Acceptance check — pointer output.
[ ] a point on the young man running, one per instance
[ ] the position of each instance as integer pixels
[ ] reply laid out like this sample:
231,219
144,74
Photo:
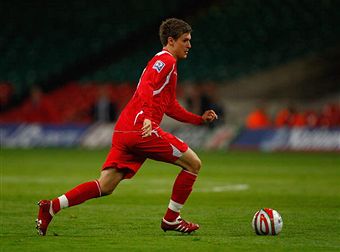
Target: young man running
138,136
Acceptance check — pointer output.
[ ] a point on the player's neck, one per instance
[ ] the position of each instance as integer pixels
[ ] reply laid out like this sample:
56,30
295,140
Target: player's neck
169,50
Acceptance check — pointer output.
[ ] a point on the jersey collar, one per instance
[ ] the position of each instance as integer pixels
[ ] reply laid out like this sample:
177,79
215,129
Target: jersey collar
166,51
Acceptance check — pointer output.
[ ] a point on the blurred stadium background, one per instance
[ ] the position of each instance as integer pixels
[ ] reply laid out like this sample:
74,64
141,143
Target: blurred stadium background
271,69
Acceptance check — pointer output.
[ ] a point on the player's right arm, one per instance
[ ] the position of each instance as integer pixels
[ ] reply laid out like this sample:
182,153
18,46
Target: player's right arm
147,128
151,82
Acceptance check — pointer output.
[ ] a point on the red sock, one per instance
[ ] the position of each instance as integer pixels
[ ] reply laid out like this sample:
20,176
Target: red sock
180,193
77,195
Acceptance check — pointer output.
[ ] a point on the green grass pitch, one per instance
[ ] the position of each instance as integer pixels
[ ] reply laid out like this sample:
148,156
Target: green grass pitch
232,186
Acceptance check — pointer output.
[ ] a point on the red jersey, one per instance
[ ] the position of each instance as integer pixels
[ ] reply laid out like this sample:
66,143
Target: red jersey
155,96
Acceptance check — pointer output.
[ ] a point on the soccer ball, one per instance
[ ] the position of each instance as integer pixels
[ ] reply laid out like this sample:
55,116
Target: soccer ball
267,221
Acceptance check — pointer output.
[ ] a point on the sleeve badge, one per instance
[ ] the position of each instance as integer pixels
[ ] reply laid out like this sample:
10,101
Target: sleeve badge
158,66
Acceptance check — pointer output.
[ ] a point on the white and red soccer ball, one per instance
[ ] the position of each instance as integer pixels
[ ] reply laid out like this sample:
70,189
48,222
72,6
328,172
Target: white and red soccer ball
267,221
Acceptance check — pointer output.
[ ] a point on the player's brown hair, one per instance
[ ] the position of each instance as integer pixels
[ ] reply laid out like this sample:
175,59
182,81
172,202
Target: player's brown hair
173,27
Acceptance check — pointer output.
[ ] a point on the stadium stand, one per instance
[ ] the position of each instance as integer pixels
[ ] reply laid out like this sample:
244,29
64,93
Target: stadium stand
53,38
241,37
51,44
71,103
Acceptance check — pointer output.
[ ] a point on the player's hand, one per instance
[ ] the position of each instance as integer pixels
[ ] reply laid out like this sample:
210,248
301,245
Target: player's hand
209,116
147,128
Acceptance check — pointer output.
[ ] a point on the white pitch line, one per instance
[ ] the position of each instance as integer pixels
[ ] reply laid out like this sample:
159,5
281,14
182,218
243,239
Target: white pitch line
157,182
225,188
34,180
214,189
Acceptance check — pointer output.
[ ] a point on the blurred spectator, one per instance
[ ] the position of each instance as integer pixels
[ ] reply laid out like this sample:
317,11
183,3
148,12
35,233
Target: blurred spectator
203,97
298,119
284,117
258,119
104,110
312,118
210,100
6,92
290,117
337,113
193,98
39,109
330,116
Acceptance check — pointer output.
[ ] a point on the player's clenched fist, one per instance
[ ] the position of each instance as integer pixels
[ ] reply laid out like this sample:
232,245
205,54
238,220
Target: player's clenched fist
209,116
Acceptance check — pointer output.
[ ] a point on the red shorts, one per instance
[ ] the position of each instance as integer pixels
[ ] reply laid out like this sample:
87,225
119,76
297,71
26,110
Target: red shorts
129,150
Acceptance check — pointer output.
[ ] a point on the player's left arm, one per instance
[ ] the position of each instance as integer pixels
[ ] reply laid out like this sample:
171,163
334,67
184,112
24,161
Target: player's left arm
177,112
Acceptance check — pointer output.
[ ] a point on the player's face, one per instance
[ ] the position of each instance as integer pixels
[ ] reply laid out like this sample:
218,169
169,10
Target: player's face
182,46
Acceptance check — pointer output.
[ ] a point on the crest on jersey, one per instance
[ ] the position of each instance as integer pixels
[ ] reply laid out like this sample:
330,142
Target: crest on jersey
158,65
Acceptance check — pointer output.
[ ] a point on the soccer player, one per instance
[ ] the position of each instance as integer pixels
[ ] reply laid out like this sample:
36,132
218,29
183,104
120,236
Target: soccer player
138,136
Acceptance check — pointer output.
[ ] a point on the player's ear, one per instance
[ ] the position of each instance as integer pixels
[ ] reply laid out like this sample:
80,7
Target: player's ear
171,41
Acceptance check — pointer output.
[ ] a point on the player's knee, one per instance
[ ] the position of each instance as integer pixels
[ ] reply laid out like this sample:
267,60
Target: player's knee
195,166
106,188
108,181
